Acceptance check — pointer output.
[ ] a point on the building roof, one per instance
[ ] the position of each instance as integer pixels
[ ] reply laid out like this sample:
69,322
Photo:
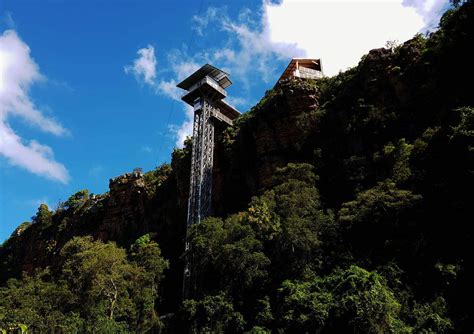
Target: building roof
218,75
314,64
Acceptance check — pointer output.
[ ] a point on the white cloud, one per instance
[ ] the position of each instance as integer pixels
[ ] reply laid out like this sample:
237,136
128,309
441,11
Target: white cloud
340,32
248,52
34,157
183,68
18,72
255,51
236,101
180,66
144,67
186,128
169,89
180,70
430,10
201,22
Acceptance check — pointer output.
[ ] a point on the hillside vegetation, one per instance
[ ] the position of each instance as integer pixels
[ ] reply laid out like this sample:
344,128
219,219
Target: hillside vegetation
342,205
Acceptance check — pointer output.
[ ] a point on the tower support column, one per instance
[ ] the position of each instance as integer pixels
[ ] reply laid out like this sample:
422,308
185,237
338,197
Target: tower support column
205,93
200,190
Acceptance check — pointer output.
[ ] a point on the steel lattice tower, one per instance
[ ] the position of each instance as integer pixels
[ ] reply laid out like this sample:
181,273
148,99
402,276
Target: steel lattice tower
205,93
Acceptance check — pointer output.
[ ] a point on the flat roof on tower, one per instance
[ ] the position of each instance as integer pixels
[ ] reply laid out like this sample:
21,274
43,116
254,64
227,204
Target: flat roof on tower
218,75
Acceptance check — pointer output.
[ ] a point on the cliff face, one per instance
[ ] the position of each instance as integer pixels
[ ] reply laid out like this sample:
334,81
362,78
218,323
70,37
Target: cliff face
270,135
125,214
135,205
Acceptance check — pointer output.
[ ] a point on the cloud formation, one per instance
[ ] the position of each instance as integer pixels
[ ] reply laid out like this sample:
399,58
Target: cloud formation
341,32
18,72
181,67
338,32
144,67
185,129
429,10
248,52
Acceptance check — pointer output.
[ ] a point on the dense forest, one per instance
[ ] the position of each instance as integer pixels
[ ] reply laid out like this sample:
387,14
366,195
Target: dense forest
342,205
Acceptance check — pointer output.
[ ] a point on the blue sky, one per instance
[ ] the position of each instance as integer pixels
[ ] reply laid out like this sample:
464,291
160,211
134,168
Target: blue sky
86,87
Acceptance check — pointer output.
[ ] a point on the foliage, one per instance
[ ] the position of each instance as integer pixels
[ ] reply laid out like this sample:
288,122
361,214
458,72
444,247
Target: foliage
99,274
353,300
147,255
43,216
399,156
228,255
21,228
431,317
97,290
464,130
76,200
213,314
158,176
37,304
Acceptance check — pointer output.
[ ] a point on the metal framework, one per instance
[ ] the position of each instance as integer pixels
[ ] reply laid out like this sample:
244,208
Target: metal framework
200,190
205,92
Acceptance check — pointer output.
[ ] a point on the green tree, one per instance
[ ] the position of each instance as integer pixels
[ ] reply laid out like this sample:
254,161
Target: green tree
39,304
431,317
378,222
292,216
213,314
399,156
76,200
227,255
146,254
100,275
43,216
351,300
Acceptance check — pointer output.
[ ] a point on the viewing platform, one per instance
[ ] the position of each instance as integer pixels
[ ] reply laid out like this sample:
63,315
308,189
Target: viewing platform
206,86
304,68
208,81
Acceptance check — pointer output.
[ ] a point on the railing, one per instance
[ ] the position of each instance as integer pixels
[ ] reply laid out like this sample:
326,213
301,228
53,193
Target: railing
207,80
309,73
220,116
197,105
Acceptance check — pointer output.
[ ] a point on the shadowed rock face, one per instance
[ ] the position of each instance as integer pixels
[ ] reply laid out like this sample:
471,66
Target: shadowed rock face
133,207
269,136
130,209
126,212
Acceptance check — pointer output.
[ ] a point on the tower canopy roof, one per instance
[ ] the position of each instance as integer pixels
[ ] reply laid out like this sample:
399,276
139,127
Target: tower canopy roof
218,75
